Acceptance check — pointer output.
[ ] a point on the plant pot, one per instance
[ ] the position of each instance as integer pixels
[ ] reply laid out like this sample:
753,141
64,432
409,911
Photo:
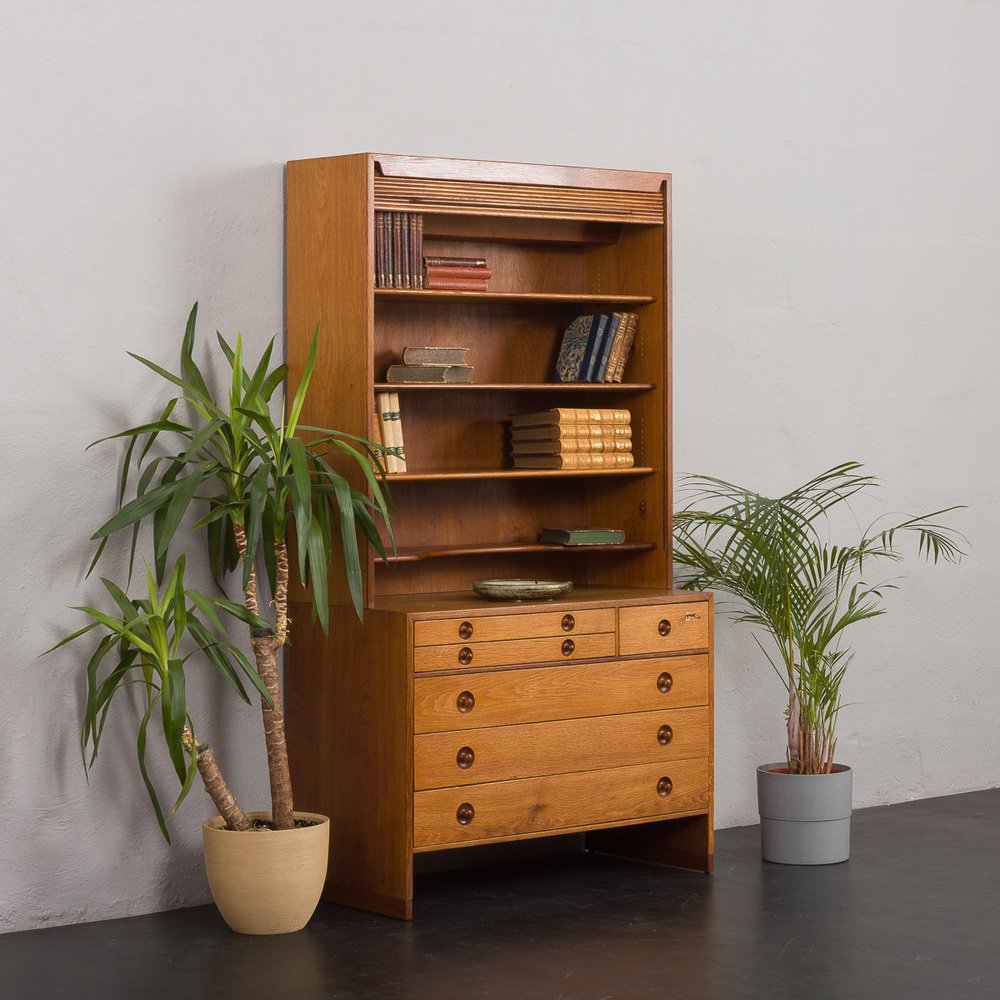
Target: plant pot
266,881
805,819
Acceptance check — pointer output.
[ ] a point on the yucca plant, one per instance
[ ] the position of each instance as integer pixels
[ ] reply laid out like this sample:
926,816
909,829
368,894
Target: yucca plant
796,586
247,481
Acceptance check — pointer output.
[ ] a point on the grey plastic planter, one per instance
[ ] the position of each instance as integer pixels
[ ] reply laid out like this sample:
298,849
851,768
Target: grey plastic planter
805,819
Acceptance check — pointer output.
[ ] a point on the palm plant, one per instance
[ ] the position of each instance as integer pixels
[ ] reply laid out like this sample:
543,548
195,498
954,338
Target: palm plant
252,481
796,586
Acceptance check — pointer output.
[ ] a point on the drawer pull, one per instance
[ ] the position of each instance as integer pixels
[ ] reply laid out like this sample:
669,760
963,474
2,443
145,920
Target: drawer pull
664,627
692,616
465,630
568,646
465,813
663,787
663,683
568,623
465,758
664,735
465,656
466,701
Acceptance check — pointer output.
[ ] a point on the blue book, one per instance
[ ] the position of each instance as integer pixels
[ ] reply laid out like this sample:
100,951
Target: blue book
594,344
573,349
609,339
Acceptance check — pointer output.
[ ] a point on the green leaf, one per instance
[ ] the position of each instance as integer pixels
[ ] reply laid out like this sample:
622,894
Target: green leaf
140,745
303,388
136,510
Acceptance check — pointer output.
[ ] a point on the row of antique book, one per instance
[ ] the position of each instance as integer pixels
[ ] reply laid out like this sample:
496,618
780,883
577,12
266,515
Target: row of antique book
596,348
572,438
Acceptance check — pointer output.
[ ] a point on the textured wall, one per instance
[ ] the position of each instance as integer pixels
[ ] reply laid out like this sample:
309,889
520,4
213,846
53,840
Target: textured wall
836,255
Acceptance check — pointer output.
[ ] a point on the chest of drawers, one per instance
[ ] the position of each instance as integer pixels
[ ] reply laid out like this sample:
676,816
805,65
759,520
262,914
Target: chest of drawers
442,722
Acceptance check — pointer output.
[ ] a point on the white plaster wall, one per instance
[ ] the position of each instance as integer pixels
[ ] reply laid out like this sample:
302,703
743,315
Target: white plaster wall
836,258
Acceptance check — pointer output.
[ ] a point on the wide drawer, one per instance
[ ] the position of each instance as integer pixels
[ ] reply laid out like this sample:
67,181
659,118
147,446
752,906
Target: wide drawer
662,628
527,626
534,806
474,700
502,753
459,655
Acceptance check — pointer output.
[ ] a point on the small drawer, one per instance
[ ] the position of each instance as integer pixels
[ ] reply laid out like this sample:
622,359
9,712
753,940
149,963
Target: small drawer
558,803
460,656
528,626
541,694
663,628
503,753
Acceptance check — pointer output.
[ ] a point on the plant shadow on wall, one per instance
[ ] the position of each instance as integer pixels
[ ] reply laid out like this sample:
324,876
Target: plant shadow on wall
802,591
252,481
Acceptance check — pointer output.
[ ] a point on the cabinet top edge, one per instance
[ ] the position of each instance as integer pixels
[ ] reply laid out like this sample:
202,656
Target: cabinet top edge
507,172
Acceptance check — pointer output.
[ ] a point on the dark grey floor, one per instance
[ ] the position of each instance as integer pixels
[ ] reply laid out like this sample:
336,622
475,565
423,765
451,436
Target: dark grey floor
915,913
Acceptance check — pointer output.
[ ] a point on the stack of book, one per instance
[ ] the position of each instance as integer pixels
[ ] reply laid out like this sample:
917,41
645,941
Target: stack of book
399,249
390,430
431,364
572,438
596,348
457,274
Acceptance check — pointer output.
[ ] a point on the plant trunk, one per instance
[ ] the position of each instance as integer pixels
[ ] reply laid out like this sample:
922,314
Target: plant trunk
265,650
217,787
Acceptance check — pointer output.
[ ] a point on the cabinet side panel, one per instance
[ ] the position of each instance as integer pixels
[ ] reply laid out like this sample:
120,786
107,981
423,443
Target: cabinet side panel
349,739
329,264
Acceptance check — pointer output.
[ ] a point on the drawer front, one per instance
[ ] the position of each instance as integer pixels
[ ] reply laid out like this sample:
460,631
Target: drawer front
503,753
663,628
460,656
541,694
529,626
504,809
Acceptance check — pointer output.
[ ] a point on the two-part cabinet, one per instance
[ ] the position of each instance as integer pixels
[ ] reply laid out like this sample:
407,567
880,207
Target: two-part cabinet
442,719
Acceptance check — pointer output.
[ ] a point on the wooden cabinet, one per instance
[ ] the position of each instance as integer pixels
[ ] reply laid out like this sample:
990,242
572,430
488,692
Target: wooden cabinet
442,719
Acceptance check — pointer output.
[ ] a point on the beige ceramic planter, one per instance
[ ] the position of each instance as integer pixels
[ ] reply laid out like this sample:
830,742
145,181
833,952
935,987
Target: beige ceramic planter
268,881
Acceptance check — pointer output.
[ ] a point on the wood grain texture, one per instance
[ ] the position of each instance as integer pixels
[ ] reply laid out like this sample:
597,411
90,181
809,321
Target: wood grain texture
492,627
557,648
565,691
557,803
663,628
504,753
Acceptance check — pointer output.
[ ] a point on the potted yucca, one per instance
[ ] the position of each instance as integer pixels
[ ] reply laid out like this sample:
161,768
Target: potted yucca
218,470
802,593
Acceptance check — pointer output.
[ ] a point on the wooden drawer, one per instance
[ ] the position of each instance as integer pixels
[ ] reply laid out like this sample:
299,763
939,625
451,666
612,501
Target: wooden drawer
505,752
662,628
460,656
528,626
540,694
558,803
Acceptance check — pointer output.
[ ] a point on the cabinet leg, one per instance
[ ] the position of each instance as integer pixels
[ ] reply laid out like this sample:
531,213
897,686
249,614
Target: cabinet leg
685,843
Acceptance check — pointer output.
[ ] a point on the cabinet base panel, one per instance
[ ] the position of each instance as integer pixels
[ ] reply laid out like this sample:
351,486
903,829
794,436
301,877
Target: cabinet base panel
683,843
372,902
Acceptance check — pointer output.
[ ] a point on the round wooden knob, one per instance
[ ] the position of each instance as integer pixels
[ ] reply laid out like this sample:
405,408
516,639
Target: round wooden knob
664,682
664,735
664,627
465,758
465,813
568,646
663,787
465,655
466,701
568,623
465,630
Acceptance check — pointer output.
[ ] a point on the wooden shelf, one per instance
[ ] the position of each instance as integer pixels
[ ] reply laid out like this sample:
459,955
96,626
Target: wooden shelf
419,553
582,298
545,387
478,474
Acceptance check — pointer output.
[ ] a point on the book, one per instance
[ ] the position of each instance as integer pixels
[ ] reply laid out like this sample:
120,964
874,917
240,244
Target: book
614,325
626,348
438,261
569,433
429,373
572,349
405,263
577,460
416,221
569,446
570,415
383,400
616,346
455,284
397,249
582,536
597,331
397,430
435,355
478,273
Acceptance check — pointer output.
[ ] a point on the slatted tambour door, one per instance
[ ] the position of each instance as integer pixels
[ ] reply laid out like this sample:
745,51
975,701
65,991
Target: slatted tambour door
534,201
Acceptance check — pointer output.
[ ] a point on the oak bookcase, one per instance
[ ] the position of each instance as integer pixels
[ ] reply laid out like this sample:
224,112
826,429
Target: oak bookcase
441,719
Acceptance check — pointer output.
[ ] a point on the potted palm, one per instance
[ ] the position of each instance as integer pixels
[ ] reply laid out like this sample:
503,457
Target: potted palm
242,481
802,593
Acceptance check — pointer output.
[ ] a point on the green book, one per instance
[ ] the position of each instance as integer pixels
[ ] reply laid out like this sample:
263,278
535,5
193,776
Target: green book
583,536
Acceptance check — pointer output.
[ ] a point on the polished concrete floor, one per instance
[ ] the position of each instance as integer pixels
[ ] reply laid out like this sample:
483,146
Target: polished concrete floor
914,914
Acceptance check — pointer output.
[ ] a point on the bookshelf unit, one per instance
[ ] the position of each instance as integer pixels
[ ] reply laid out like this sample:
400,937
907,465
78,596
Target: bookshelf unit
368,719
